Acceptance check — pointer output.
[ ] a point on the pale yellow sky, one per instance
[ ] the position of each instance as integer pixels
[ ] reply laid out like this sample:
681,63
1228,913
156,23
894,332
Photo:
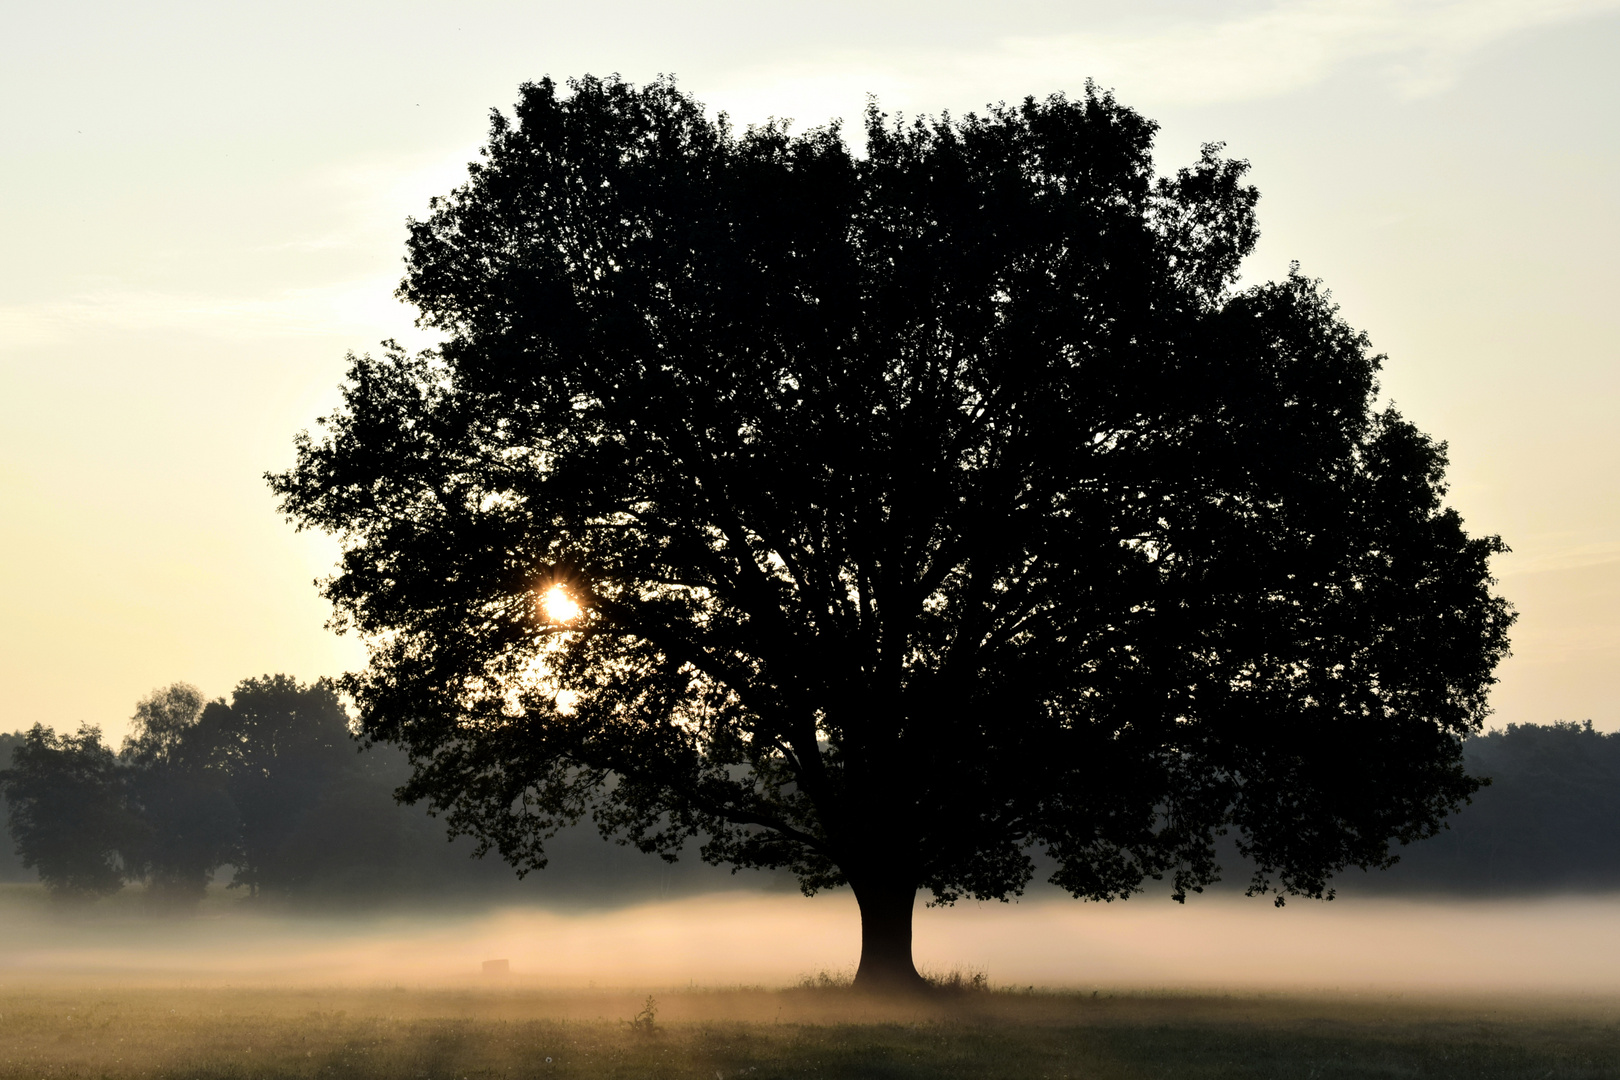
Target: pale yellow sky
203,209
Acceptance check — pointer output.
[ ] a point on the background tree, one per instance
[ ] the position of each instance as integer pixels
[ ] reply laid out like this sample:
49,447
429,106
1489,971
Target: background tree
180,794
327,827
918,509
1548,822
312,813
11,867
69,812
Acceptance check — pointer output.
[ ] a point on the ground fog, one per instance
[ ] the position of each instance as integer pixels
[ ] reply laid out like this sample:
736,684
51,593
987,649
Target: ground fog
1554,945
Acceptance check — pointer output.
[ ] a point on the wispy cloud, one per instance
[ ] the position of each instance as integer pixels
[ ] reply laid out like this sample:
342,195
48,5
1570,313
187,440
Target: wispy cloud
1552,554
365,306
1416,47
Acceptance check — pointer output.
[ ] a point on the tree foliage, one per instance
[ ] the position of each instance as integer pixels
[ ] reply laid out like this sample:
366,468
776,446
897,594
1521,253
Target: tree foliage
295,779
925,507
189,821
268,782
11,867
69,812
318,821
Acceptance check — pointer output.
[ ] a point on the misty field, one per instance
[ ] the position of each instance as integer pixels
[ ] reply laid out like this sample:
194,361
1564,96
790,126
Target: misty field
492,1034
1357,988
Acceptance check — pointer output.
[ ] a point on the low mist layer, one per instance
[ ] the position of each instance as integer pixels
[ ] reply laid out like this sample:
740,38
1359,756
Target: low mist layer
1569,944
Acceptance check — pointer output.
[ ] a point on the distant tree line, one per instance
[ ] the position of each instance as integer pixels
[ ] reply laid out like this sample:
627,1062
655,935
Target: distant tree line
1549,821
271,786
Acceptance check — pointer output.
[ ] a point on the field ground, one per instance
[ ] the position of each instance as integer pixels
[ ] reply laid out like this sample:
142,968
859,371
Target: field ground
494,1033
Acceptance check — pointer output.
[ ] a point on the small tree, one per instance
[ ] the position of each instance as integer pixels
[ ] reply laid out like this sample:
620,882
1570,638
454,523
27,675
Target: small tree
887,517
70,813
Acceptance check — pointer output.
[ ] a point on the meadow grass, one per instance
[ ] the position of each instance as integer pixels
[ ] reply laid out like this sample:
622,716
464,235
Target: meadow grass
811,1031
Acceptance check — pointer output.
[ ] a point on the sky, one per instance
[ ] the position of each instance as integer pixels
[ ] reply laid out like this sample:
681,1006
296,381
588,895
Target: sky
203,206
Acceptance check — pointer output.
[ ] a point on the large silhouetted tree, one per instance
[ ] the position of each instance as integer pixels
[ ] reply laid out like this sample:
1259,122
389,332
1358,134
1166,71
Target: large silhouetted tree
924,508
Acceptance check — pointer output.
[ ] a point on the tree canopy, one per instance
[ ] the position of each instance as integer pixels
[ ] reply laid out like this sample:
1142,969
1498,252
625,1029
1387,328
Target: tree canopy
68,812
922,508
189,822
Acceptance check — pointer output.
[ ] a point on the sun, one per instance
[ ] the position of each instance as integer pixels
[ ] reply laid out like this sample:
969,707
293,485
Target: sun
559,606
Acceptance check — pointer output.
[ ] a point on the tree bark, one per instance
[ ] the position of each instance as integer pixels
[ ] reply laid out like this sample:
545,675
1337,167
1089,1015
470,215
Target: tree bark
886,963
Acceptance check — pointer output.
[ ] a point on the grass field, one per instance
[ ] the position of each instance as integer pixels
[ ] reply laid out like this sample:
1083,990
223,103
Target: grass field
493,1034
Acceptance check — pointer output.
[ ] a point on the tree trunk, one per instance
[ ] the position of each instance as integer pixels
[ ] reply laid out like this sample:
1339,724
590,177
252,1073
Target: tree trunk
886,963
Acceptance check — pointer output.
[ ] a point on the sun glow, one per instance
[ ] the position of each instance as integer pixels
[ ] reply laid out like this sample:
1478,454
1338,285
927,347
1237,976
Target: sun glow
559,606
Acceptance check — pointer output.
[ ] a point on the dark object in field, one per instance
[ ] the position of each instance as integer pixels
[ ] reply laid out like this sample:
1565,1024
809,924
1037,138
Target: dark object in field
886,517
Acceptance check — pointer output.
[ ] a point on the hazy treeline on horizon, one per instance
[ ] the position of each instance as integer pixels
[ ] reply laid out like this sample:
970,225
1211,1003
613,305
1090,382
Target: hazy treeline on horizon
270,790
